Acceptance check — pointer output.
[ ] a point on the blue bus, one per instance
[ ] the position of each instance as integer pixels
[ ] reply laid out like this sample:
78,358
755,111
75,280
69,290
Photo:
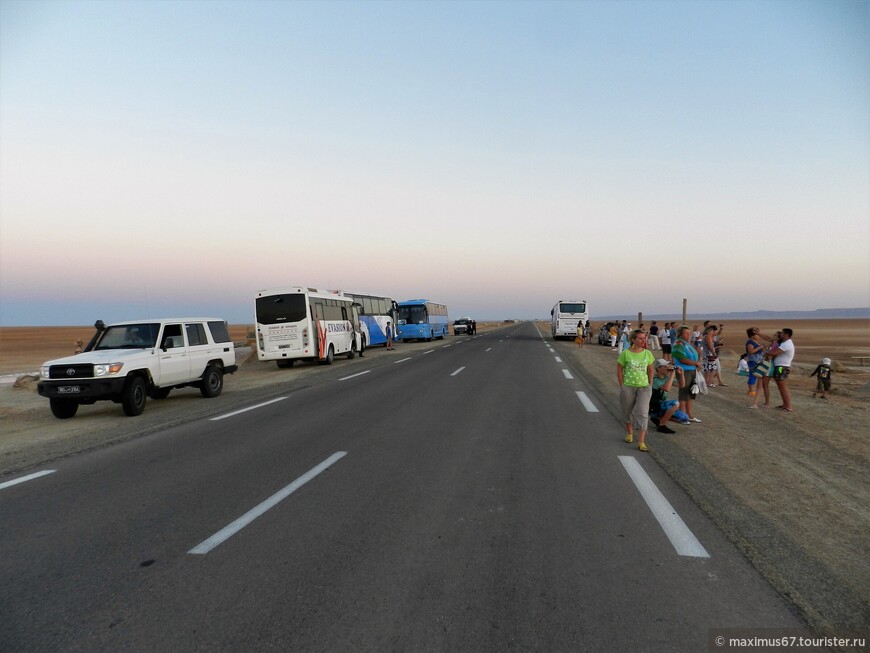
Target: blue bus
375,311
421,319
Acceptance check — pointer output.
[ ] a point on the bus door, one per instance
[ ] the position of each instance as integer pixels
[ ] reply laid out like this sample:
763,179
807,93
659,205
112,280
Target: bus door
355,324
316,327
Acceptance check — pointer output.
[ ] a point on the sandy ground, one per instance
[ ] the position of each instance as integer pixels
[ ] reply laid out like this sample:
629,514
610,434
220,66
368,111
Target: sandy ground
790,490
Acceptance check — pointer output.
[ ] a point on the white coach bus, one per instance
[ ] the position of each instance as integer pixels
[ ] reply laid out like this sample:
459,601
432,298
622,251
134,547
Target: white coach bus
304,323
566,314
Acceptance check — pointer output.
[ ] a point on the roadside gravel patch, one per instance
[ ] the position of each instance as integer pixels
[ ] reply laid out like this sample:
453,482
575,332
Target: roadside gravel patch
791,490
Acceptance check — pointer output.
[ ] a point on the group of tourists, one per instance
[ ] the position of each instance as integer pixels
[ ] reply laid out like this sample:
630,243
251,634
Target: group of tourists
690,361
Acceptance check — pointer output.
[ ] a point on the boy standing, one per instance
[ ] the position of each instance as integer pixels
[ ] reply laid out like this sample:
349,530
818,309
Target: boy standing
823,372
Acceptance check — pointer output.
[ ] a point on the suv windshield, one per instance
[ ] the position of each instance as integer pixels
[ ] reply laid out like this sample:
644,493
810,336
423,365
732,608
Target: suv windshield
129,336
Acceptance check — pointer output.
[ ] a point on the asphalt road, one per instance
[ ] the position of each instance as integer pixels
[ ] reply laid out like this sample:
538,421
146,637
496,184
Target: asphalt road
459,498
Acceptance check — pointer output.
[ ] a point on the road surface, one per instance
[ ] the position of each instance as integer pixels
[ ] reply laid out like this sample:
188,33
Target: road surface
467,496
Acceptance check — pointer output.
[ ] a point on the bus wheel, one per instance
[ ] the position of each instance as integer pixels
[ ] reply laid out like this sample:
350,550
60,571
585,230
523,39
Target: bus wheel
329,356
352,353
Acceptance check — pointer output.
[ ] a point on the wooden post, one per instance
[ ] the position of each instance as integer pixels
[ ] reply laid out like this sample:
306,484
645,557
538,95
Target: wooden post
639,319
684,309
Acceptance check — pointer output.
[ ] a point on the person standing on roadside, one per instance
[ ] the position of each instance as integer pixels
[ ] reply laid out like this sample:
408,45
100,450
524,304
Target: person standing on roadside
624,340
389,335
687,358
654,336
754,355
783,355
634,371
581,335
708,350
666,341
823,374
767,370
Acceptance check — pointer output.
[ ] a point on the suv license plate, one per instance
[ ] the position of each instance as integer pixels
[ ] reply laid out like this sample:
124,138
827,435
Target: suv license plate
68,389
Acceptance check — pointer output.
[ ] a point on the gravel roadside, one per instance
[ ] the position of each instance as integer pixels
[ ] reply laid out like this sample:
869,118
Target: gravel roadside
790,490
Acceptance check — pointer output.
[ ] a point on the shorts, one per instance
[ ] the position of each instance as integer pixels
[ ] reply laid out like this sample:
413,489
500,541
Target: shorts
780,372
666,348
665,406
823,384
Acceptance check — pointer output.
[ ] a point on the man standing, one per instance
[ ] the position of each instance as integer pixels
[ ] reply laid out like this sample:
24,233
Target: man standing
783,355
654,336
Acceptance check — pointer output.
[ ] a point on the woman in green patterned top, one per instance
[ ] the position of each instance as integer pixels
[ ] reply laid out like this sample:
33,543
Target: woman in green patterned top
634,370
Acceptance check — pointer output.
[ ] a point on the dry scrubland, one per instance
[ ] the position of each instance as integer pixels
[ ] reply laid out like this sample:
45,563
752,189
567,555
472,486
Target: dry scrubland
790,490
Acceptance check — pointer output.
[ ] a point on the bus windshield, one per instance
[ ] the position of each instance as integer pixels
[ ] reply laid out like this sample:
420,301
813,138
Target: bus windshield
277,309
415,314
572,308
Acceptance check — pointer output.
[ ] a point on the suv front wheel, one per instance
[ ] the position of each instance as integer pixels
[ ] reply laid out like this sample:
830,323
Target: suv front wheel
64,408
134,395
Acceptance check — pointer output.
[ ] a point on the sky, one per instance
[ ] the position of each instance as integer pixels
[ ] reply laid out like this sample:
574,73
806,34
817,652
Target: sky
167,158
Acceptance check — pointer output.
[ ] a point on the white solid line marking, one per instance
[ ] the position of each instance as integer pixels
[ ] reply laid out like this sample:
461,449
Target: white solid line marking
402,360
245,410
353,376
29,477
428,352
587,402
227,532
567,374
558,360
683,540
458,371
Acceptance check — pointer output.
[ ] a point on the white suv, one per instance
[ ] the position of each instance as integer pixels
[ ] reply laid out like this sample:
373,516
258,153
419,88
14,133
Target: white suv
129,361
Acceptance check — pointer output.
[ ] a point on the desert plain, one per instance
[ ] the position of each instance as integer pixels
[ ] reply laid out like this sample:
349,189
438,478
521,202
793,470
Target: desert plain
24,349
791,490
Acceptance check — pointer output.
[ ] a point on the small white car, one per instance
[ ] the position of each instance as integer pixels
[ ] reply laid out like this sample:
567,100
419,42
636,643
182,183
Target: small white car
129,361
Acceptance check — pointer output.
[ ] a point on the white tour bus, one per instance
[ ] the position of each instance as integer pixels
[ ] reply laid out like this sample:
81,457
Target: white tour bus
565,316
304,323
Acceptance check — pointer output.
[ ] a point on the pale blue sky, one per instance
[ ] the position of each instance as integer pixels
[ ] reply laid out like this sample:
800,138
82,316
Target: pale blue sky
175,157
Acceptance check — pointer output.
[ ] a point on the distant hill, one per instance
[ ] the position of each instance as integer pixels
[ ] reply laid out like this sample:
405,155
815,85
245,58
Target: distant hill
818,314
